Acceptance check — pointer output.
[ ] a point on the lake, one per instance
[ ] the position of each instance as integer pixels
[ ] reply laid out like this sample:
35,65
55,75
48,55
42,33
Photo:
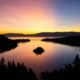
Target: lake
55,55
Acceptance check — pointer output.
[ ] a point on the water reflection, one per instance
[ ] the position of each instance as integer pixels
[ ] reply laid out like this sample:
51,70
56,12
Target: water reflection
55,55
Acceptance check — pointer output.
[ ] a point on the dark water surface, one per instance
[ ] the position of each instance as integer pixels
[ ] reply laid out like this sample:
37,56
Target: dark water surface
55,55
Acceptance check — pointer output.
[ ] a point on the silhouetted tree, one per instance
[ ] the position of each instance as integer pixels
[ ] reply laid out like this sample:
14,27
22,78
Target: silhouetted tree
13,71
76,61
69,72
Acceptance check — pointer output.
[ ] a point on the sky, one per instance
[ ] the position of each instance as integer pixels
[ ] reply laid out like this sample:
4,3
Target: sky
33,16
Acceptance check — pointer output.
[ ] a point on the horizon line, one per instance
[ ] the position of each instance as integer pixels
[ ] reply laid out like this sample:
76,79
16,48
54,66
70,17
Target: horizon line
38,32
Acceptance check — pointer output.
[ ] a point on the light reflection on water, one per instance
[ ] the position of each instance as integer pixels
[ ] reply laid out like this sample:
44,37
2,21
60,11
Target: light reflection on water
55,55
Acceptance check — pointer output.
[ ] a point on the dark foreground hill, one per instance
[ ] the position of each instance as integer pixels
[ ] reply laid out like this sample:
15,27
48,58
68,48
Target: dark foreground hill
8,44
69,40
12,71
70,71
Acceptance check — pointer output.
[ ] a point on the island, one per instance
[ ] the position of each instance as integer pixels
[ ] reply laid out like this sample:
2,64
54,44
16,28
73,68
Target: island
7,44
38,50
67,40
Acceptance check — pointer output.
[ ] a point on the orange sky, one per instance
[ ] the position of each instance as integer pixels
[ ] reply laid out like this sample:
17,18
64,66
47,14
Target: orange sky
31,16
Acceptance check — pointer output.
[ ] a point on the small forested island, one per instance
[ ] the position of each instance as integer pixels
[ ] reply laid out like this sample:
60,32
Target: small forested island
68,40
38,50
8,44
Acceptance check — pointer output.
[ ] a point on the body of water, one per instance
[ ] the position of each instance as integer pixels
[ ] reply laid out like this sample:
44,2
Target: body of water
55,55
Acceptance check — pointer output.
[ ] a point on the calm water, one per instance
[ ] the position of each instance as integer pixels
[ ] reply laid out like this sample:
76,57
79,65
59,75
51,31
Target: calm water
55,55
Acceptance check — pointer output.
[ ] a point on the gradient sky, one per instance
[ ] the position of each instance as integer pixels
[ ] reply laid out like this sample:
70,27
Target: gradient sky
32,16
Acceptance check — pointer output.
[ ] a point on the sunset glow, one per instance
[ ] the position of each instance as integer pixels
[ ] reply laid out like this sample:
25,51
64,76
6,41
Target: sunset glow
32,16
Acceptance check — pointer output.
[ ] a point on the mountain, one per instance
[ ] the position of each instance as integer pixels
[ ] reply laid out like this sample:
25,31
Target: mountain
43,34
14,35
57,34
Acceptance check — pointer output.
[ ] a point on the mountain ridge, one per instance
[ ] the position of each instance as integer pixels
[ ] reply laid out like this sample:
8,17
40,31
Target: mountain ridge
42,34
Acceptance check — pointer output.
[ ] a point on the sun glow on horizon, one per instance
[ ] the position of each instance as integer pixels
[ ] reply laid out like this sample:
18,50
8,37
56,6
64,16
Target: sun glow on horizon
34,16
31,21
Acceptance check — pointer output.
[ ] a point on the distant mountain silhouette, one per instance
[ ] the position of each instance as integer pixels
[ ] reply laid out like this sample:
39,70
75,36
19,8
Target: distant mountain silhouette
43,34
68,40
57,34
14,35
8,44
